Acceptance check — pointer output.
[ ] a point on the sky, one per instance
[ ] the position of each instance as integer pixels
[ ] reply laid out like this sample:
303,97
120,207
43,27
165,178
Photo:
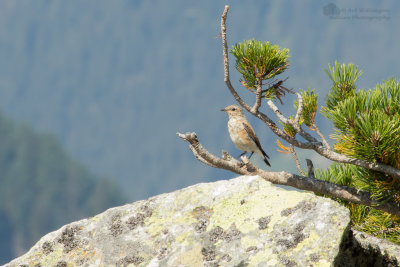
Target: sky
115,81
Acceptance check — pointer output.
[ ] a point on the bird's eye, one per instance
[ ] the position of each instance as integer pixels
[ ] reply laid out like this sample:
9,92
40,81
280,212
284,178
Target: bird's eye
233,109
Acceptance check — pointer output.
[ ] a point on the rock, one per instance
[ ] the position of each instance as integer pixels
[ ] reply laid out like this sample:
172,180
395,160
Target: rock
245,221
360,249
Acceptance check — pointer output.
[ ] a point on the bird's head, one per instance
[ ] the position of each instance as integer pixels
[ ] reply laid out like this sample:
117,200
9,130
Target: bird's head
233,110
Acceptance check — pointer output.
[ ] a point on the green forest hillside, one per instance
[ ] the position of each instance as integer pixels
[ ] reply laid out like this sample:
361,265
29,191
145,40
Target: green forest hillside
43,188
115,80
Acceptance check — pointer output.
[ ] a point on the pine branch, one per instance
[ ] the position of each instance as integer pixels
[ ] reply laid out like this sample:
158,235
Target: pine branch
296,160
310,167
257,104
299,112
284,178
312,142
322,149
226,60
316,129
297,127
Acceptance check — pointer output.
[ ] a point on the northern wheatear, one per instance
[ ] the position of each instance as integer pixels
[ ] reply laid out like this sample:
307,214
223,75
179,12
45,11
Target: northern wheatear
242,134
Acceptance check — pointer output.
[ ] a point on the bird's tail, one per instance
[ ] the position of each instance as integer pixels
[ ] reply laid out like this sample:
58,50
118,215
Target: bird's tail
265,157
266,161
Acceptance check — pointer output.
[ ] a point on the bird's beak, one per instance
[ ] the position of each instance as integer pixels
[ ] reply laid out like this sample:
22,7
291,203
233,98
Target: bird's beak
223,109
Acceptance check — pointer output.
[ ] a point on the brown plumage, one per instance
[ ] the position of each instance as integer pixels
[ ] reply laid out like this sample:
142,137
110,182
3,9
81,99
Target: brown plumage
242,134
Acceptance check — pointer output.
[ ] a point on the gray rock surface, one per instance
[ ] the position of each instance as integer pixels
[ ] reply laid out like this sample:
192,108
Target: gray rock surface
245,221
359,249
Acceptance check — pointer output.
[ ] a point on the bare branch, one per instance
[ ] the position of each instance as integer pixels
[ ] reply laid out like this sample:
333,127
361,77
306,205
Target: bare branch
257,104
284,178
299,112
249,165
310,166
380,167
256,113
188,137
312,143
231,165
296,160
321,148
277,112
197,156
285,120
316,129
282,134
226,60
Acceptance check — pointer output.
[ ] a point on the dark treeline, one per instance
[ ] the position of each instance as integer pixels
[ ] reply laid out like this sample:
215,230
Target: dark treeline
42,188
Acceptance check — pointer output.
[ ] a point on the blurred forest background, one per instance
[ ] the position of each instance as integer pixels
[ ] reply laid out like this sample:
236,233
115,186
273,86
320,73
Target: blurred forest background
92,94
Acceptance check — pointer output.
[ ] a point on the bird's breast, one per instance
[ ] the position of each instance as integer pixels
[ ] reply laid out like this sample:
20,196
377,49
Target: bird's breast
239,135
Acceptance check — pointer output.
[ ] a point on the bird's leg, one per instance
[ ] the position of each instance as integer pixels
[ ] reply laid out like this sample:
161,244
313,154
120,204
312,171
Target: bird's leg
241,154
251,154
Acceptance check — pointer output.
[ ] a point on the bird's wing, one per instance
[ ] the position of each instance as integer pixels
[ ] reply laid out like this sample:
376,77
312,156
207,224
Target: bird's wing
252,135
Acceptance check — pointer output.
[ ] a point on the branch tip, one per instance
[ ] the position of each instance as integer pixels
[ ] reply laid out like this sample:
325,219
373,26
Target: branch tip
284,178
310,166
299,112
188,136
296,160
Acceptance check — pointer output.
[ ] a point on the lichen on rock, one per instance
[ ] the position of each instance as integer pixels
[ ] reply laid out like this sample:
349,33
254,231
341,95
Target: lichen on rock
245,221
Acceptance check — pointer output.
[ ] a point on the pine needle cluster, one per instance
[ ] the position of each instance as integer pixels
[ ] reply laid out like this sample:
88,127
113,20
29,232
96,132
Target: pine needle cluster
310,105
367,126
259,63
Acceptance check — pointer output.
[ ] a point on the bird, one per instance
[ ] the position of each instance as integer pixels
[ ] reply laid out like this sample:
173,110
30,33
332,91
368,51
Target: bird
242,134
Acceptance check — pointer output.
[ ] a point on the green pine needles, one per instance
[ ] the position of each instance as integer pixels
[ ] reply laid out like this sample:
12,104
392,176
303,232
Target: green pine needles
366,132
366,147
363,218
367,122
343,78
367,126
258,63
310,105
